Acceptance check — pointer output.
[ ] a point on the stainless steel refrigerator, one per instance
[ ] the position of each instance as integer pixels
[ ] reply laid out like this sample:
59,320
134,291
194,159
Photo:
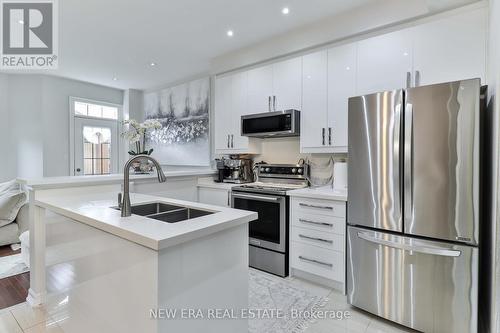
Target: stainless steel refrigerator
413,205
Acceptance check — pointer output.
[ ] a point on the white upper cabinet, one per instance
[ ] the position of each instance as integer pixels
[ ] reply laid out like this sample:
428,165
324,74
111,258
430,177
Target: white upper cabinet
287,85
275,87
341,85
314,114
451,49
223,90
384,62
260,89
239,108
230,104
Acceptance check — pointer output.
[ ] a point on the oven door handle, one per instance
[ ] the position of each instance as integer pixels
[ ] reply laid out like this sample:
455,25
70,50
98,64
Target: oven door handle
256,197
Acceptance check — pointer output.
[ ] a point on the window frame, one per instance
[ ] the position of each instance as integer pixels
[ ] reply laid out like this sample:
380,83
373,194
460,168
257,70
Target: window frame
72,116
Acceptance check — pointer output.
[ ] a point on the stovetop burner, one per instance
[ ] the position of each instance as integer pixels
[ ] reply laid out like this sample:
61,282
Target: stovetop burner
276,179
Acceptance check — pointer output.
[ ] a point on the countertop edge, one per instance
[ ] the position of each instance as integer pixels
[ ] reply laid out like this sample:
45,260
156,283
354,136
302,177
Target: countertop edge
319,195
72,181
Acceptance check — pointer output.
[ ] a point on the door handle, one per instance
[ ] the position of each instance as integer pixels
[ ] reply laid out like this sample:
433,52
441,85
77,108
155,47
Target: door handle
329,136
274,103
438,251
256,197
232,141
316,261
323,134
317,223
417,78
316,239
315,206
269,104
408,163
408,79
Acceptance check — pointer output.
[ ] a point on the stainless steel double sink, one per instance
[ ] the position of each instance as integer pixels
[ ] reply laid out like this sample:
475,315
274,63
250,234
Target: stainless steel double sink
166,212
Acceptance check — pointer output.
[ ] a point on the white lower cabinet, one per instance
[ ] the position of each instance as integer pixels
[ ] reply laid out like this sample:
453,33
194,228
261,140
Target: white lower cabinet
214,196
317,240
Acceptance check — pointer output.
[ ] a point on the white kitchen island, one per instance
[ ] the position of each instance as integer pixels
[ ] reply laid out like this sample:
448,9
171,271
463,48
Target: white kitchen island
94,271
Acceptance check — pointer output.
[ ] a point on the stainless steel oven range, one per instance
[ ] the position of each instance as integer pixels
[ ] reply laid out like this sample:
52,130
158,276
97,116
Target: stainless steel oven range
268,235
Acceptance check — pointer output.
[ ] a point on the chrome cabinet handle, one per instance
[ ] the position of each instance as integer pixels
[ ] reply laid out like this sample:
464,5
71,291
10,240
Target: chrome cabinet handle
329,136
229,199
408,80
408,164
228,141
274,103
269,104
316,261
316,239
232,141
417,78
315,206
317,223
323,134
438,251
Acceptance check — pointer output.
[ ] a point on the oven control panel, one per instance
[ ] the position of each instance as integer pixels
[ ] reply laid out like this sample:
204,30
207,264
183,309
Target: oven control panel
281,170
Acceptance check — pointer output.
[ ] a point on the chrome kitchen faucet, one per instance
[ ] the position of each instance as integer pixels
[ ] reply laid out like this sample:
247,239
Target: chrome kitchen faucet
125,206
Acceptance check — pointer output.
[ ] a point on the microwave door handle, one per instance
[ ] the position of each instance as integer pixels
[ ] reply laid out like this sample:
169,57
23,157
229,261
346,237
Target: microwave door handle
437,251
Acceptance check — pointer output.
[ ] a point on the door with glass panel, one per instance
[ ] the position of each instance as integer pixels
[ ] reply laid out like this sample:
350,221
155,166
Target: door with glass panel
96,146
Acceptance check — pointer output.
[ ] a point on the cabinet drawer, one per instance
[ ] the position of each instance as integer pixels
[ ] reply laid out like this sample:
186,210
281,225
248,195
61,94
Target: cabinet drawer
318,238
325,207
315,260
323,223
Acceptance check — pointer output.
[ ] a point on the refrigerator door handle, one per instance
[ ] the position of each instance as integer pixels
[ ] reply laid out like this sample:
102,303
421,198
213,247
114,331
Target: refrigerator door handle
397,152
437,251
408,163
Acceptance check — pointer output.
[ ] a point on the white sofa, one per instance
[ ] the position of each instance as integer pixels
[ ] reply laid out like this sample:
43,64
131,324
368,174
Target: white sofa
9,234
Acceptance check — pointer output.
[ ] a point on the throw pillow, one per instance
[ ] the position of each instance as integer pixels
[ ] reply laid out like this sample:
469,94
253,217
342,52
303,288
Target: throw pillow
10,204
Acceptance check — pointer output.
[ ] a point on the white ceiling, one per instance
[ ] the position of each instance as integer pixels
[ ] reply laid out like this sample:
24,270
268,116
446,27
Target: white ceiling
102,39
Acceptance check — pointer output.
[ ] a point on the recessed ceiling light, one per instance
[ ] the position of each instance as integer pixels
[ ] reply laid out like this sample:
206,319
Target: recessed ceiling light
152,64
21,22
285,11
405,54
115,79
230,33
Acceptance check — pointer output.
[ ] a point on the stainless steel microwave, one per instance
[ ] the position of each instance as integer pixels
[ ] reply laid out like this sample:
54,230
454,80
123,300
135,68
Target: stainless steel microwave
271,124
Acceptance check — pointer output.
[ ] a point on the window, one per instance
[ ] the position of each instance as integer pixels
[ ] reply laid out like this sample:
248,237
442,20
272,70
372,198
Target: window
95,110
96,151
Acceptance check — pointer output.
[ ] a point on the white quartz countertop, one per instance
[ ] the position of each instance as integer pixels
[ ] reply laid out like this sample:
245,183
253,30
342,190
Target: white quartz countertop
325,192
209,183
71,181
94,209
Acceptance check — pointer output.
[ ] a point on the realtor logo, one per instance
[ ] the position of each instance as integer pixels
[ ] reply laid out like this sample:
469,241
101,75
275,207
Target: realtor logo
29,34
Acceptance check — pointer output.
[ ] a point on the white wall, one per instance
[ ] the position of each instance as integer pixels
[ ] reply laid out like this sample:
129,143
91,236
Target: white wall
26,124
7,167
37,115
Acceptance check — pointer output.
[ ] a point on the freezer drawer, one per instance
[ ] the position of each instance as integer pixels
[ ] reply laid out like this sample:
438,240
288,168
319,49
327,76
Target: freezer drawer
426,285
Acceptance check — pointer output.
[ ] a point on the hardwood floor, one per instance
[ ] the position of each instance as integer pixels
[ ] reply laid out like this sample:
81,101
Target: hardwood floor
14,289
